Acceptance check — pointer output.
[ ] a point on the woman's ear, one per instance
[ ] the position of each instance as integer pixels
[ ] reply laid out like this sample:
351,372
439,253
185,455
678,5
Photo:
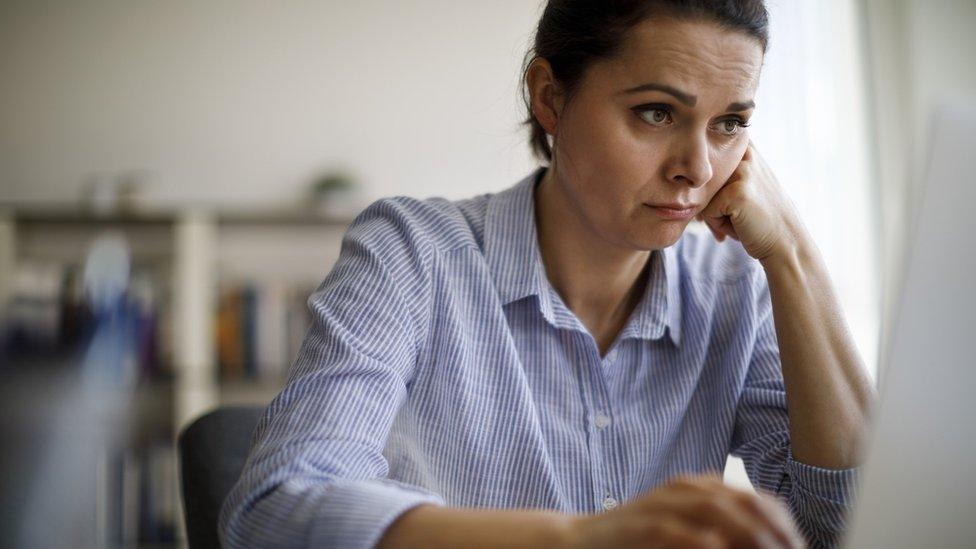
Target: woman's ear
546,97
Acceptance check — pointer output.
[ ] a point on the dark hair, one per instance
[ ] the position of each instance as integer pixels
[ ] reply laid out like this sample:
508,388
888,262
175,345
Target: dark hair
572,34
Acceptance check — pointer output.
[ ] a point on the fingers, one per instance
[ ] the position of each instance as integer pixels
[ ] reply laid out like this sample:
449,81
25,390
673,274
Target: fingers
716,213
679,535
725,206
722,513
754,158
771,514
720,224
718,236
743,517
778,511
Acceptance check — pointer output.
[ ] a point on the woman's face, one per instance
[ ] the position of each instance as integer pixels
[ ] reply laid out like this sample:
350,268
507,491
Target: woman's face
658,124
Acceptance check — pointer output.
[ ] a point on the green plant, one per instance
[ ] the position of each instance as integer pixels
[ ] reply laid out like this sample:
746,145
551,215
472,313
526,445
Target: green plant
335,181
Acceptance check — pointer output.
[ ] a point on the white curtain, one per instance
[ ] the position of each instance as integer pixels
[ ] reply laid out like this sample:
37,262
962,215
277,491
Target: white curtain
812,126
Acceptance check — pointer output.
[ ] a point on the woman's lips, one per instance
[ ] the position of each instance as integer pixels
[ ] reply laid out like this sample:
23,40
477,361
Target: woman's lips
673,211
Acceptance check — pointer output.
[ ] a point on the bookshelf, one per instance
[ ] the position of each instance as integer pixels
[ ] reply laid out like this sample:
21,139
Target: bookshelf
192,259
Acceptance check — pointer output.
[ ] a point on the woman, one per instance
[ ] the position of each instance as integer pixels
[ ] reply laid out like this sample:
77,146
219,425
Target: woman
565,347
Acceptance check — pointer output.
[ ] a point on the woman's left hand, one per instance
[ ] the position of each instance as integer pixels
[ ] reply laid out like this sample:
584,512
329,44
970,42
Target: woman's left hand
752,208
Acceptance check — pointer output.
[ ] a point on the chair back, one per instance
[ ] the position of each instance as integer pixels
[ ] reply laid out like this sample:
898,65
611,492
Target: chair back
212,453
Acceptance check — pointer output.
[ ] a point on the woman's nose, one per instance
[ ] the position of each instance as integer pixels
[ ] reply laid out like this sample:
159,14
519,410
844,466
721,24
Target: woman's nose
690,164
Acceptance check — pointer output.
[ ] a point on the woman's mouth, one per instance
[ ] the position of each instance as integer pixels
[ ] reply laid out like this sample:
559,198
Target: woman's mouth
674,211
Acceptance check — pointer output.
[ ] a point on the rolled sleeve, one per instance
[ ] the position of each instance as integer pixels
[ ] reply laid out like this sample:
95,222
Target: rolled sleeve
835,485
316,475
359,512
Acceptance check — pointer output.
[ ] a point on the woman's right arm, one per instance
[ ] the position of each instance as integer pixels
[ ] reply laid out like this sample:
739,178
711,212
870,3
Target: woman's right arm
691,512
315,475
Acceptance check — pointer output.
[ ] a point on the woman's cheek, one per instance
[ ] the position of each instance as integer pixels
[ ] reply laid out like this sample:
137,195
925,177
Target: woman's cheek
723,171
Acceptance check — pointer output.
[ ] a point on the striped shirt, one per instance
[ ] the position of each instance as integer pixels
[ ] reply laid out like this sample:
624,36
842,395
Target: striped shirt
442,367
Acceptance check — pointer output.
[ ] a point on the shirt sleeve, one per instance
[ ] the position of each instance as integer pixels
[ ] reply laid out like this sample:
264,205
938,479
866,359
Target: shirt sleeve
315,474
818,498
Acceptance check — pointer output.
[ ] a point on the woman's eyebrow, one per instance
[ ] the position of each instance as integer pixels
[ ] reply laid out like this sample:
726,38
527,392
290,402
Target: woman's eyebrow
684,97
741,106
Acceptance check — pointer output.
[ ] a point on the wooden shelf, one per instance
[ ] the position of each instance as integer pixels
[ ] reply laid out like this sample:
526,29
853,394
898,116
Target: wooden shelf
188,255
54,214
60,217
281,218
249,392
191,251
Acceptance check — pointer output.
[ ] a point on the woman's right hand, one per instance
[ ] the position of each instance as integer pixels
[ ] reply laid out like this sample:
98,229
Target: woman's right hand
691,512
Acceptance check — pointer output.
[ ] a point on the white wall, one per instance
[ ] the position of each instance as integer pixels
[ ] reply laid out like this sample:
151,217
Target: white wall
942,42
921,52
244,101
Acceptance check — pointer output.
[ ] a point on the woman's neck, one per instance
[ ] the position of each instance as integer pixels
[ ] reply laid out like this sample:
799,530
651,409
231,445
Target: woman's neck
598,280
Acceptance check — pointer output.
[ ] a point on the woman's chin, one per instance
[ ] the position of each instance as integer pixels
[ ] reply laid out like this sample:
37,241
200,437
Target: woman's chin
662,235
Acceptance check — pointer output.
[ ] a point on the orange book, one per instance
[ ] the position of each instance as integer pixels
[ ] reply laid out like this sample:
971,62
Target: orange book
230,351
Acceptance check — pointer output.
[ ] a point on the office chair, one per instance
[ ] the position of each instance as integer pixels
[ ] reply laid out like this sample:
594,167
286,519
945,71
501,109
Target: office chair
212,453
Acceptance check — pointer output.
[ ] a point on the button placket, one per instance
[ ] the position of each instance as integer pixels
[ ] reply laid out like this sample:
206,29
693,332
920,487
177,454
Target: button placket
590,380
602,421
602,445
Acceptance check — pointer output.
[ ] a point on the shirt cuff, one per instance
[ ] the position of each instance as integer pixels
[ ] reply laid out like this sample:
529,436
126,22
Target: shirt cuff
357,513
837,485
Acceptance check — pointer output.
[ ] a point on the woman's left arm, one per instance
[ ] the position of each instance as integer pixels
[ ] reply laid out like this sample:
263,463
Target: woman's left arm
828,392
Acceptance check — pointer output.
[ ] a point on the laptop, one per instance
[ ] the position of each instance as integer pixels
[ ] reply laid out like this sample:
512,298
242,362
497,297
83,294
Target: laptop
918,487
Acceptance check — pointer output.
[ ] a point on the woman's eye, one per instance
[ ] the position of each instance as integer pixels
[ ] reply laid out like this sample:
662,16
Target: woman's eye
731,126
656,117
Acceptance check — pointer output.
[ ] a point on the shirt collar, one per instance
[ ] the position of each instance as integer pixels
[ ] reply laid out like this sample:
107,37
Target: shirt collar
512,253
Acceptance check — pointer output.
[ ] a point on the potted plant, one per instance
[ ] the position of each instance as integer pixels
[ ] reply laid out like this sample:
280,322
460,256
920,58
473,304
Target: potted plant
335,194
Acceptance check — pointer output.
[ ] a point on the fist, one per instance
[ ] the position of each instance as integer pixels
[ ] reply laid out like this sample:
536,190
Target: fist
752,208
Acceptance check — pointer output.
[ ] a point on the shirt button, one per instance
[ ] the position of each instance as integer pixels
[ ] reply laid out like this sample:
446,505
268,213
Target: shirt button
602,421
609,503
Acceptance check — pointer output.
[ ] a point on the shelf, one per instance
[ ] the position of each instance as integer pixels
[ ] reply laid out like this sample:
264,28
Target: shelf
54,214
189,255
58,216
280,218
249,392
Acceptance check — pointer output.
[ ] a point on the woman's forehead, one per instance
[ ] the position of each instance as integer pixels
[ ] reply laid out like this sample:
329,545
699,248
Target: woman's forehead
697,55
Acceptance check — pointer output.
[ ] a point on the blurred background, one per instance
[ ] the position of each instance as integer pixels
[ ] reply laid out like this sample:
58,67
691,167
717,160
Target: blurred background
175,179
